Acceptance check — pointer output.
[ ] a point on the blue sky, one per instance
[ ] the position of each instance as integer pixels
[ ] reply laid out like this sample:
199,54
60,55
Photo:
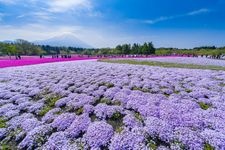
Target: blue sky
106,23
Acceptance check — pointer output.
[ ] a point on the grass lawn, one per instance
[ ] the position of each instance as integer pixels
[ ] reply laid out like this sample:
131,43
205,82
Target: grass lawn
163,64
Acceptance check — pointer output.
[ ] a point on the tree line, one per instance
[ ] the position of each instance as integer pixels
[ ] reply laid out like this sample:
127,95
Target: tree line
20,47
146,49
51,50
23,47
198,51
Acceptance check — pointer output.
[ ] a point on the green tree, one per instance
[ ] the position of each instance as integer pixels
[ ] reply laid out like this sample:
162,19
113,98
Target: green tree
7,49
135,49
126,48
144,49
3,49
151,48
119,49
26,48
148,48
12,50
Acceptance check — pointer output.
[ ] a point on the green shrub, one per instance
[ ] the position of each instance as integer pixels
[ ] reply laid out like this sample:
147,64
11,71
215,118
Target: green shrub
2,123
152,145
208,147
204,106
140,89
44,110
138,116
50,104
108,85
79,111
117,116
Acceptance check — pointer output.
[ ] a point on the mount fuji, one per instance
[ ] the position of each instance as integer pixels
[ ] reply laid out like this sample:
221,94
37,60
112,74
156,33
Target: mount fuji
67,40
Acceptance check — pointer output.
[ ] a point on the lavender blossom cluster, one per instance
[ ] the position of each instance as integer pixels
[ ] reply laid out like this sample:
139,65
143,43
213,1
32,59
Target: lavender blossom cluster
95,105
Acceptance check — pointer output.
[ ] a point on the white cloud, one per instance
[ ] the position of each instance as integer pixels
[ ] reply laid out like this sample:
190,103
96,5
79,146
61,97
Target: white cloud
50,8
165,18
68,5
38,15
42,15
197,12
34,31
22,16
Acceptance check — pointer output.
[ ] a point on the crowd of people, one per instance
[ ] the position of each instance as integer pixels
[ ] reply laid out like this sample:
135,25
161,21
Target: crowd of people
61,56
